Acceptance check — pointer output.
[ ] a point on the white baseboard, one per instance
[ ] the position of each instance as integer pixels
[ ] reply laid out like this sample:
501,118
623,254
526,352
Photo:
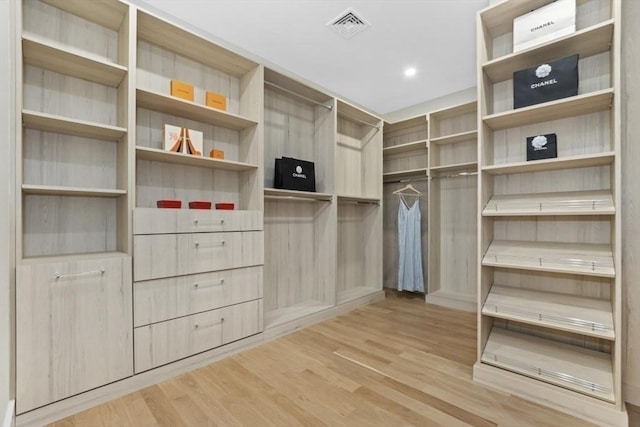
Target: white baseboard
9,415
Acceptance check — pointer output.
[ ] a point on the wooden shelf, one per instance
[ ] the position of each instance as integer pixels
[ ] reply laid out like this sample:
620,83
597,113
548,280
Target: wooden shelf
571,313
403,148
458,110
349,112
293,194
50,190
454,168
56,57
587,42
582,370
414,122
359,199
188,110
571,258
389,176
570,162
157,155
598,202
455,138
161,33
66,126
107,13
554,110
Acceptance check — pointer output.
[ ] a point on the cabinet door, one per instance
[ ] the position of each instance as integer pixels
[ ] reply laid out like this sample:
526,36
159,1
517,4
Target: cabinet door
73,328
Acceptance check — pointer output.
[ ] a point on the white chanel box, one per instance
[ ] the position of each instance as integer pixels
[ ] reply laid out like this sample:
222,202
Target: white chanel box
547,23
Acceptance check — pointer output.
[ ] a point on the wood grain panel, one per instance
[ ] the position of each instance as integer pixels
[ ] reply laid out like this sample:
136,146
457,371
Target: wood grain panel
73,328
163,299
165,342
167,255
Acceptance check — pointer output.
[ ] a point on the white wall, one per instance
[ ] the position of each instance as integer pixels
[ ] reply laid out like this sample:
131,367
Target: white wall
7,136
631,198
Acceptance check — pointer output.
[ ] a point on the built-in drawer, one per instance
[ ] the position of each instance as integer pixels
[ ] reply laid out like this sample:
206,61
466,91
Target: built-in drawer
166,342
163,299
165,221
168,255
73,327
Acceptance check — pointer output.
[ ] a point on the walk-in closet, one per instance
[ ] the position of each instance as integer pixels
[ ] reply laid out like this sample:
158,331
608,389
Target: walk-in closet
288,213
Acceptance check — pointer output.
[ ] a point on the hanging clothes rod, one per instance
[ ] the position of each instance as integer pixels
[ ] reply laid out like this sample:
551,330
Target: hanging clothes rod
399,181
454,175
328,107
297,199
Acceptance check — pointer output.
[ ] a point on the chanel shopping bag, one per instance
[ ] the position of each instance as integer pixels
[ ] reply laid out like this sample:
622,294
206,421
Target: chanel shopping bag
546,82
294,174
547,23
542,147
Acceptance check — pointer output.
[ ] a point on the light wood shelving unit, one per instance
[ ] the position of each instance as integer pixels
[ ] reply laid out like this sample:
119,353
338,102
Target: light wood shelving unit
73,251
300,261
405,161
452,206
358,186
549,233
198,274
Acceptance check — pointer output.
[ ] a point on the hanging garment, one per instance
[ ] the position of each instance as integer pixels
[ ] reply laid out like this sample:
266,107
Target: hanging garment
410,277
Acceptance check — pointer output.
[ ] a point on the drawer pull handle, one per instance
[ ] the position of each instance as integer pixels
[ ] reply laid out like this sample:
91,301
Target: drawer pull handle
208,325
208,285
86,273
200,246
198,222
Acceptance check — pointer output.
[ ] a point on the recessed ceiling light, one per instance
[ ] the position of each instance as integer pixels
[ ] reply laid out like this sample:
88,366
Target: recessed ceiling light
410,72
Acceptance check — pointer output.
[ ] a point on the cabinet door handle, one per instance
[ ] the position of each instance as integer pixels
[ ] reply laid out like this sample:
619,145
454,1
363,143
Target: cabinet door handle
213,245
198,222
208,284
199,326
100,271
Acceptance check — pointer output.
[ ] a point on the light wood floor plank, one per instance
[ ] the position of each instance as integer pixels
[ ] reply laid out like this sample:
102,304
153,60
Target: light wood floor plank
398,362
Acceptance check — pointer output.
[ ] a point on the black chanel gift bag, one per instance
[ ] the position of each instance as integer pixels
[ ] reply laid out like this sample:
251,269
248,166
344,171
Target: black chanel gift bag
546,82
294,174
542,147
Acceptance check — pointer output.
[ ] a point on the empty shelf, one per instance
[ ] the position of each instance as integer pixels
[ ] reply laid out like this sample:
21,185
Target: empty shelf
582,370
403,148
189,110
67,126
455,138
554,110
572,258
51,55
561,203
51,190
581,315
154,154
571,162
359,199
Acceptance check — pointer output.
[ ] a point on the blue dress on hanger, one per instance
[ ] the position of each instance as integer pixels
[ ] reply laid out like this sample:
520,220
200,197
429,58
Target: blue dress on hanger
410,276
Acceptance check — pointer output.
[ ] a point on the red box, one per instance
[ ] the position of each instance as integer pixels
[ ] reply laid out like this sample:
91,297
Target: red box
199,205
171,204
225,206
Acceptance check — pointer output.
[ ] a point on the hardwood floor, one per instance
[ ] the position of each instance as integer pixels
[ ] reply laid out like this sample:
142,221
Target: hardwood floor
394,363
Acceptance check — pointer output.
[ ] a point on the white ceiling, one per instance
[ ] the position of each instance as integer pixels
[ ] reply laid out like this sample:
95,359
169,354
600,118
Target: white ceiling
437,37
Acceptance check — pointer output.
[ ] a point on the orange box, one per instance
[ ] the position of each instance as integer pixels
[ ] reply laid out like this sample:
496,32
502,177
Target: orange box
216,154
215,100
182,90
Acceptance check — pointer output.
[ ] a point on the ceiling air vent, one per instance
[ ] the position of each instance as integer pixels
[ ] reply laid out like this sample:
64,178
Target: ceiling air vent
348,23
